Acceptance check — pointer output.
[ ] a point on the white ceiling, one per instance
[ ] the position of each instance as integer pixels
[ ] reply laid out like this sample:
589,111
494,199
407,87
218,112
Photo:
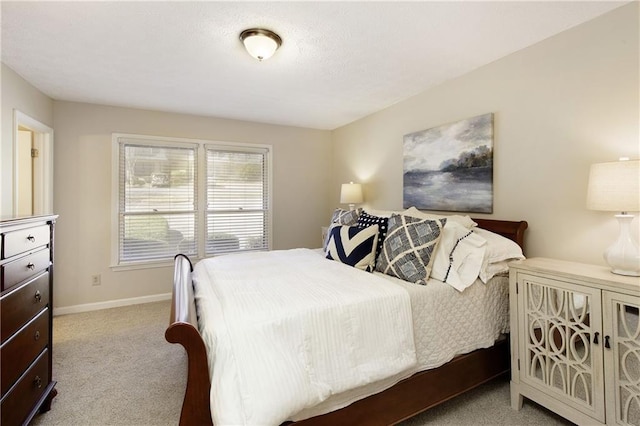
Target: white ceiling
339,61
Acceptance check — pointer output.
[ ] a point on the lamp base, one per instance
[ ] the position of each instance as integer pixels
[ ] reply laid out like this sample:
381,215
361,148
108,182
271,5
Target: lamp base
624,256
626,273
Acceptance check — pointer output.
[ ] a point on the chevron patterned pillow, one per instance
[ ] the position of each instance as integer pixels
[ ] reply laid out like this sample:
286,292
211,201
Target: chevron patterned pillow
353,246
341,217
407,252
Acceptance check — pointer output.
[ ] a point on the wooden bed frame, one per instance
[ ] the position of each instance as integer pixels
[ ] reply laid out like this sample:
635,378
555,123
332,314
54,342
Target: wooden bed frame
405,399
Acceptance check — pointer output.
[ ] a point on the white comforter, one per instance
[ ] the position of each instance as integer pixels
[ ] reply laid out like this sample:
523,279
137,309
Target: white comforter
295,329
446,323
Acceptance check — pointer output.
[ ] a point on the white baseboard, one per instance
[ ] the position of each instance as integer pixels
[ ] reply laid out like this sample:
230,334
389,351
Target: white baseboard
75,309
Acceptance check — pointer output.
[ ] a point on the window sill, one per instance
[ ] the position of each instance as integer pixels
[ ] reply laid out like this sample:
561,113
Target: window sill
132,266
168,263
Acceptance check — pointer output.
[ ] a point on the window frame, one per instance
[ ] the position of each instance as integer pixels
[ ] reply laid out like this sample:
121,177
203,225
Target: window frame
201,208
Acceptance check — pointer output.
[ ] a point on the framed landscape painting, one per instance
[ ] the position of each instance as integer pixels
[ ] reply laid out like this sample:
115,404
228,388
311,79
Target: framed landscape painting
450,167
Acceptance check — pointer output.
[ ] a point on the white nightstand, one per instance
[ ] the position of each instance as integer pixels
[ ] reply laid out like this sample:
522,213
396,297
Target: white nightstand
575,340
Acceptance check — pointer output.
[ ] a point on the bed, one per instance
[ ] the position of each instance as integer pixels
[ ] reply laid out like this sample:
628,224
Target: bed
403,399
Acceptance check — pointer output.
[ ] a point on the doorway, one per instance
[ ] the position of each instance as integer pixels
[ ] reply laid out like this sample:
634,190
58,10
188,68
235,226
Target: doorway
33,166
25,163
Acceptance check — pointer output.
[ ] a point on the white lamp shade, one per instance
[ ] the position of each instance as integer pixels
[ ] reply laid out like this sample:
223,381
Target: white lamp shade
351,193
614,186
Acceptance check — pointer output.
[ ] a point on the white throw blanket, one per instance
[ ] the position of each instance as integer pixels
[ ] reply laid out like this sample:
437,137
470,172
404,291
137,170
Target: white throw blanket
289,329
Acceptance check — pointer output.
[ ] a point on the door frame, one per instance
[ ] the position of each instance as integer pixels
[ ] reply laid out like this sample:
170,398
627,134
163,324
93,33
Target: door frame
43,170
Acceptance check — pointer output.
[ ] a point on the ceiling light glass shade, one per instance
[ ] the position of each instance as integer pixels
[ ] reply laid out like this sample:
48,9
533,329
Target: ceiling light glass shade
615,186
260,43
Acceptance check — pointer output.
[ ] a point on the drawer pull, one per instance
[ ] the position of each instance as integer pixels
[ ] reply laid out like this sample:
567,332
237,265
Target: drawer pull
38,382
31,238
37,335
37,296
31,266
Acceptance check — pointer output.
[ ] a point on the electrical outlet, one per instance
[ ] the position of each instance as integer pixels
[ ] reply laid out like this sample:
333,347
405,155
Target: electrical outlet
95,279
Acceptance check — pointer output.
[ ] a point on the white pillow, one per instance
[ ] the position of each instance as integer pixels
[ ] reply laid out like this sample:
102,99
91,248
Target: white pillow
490,270
500,251
458,263
465,221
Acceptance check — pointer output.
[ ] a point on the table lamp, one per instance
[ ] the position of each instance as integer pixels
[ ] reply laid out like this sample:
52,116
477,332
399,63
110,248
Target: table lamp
615,186
351,193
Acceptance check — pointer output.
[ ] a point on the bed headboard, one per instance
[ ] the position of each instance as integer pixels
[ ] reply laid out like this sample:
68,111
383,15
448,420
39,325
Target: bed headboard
509,229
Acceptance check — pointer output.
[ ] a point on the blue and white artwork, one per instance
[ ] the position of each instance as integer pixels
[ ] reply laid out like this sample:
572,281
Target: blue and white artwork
450,167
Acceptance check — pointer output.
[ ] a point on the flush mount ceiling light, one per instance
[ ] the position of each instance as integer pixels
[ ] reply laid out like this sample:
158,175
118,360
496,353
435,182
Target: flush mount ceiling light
260,43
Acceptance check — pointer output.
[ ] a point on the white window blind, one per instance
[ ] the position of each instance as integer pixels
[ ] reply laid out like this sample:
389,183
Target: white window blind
237,200
157,201
160,213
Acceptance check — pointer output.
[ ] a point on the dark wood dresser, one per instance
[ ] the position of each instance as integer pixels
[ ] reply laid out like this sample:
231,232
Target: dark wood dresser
26,284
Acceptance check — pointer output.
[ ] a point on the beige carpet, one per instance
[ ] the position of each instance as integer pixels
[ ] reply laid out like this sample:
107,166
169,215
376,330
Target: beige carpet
114,367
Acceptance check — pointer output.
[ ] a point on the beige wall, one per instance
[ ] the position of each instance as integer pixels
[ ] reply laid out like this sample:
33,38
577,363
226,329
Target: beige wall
560,105
17,94
301,161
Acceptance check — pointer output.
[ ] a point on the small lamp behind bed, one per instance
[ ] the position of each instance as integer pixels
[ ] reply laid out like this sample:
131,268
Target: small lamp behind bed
351,193
615,186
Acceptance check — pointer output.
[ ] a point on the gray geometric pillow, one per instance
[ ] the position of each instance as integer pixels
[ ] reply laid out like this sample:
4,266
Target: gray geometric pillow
346,217
407,252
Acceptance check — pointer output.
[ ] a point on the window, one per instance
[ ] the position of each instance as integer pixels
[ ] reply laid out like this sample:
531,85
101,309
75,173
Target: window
198,198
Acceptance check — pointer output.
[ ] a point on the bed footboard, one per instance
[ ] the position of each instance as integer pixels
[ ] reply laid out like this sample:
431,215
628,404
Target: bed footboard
183,329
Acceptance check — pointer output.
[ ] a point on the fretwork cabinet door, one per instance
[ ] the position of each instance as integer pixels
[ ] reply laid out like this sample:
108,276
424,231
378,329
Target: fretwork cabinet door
560,343
622,357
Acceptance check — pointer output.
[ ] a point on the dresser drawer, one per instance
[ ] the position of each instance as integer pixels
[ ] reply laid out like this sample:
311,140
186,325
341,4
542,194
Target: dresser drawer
20,269
23,347
21,304
23,240
17,404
